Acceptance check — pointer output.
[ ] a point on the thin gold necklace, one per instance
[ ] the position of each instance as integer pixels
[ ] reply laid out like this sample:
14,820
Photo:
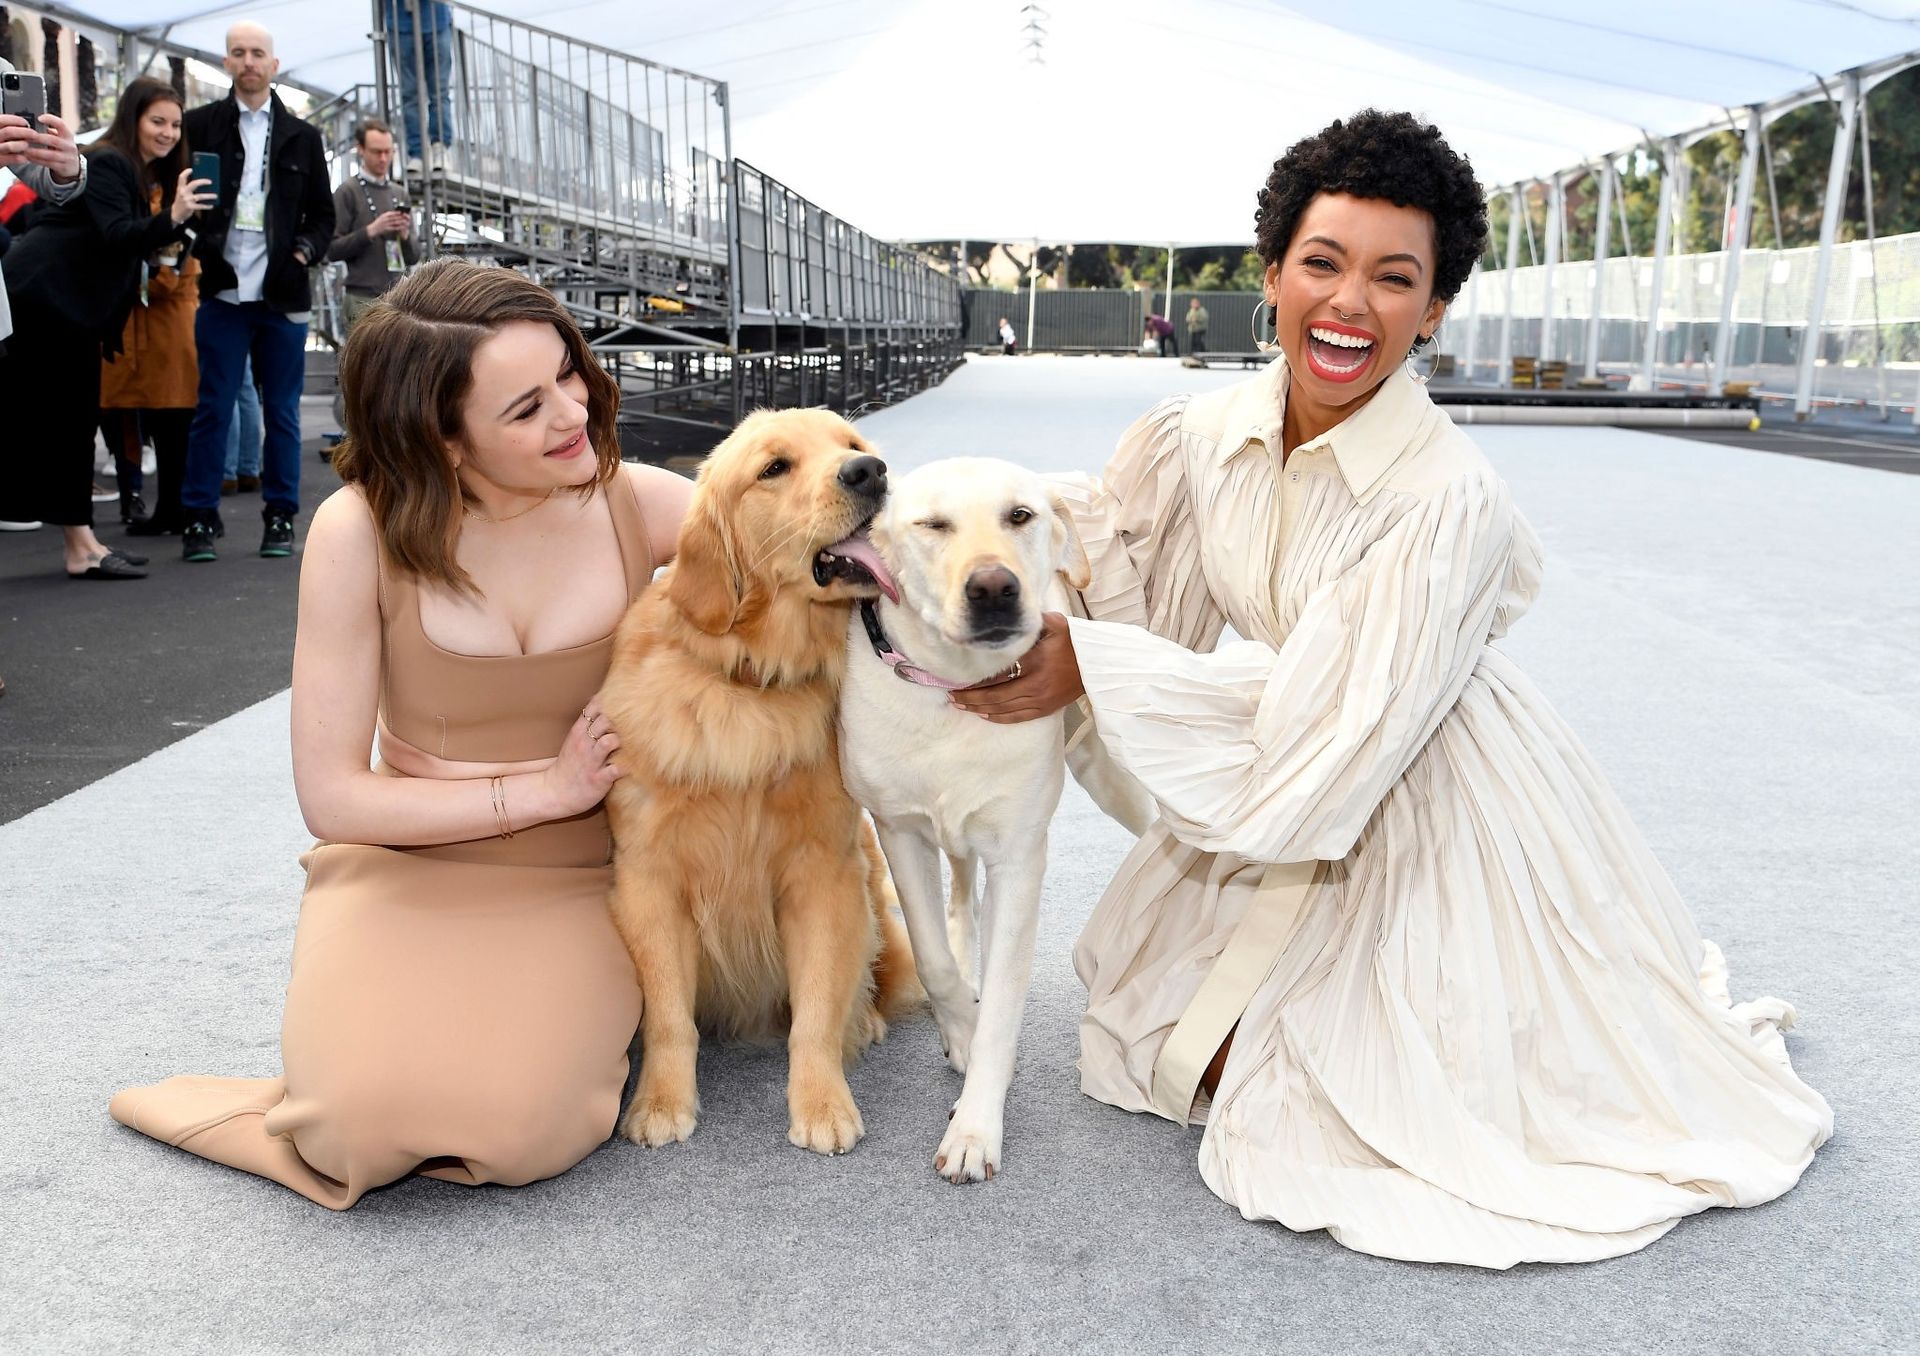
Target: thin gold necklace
473,513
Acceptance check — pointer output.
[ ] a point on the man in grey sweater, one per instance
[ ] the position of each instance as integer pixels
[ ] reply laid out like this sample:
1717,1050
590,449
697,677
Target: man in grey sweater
373,229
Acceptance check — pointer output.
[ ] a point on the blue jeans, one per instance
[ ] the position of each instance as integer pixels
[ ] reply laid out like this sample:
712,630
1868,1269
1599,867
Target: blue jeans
436,50
243,443
227,335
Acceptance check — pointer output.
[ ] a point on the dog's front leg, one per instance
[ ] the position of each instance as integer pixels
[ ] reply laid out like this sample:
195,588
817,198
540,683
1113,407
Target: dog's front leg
665,944
915,864
825,925
971,1149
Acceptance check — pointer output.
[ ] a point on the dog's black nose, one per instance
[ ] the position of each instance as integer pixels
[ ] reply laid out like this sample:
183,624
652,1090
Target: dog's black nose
865,475
992,587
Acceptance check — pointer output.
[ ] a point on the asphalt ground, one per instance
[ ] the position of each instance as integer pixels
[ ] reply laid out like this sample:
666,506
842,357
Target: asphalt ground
101,673
1891,446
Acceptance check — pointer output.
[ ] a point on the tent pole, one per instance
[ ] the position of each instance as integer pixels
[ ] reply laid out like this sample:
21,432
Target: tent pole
1829,227
1033,289
1516,214
1662,238
1169,284
1602,226
1873,262
1473,320
1556,244
1723,347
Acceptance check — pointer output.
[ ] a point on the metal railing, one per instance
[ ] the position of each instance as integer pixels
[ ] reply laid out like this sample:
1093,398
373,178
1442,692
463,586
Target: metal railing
705,285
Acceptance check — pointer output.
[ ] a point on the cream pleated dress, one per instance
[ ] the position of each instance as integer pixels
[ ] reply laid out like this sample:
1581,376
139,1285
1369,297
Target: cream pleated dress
1472,1019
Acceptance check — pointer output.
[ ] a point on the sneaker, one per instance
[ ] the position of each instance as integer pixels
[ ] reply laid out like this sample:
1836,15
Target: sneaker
7,526
249,484
103,495
277,540
196,543
415,167
132,509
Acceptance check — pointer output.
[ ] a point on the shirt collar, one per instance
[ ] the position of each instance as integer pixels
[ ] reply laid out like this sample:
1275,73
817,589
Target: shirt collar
1366,444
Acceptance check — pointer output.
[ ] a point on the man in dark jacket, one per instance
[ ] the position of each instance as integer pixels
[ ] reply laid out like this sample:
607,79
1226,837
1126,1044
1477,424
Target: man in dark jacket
273,223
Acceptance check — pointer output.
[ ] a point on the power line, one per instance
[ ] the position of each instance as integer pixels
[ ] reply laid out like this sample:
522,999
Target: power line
1638,37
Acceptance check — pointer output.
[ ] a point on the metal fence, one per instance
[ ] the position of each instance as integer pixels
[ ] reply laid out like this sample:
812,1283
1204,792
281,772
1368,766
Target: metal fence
1870,316
1105,319
802,264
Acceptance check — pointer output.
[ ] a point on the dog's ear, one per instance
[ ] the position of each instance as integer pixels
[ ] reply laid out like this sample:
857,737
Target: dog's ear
1071,559
706,587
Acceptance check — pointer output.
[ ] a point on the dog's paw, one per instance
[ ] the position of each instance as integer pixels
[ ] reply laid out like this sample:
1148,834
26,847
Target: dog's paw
826,1122
866,1027
654,1121
970,1152
956,1035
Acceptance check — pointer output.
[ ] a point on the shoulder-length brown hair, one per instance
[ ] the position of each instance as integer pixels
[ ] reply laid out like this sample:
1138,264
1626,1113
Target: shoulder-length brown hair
123,135
405,376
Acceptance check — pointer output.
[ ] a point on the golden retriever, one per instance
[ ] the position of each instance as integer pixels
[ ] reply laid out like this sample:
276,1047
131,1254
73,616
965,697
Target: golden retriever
748,886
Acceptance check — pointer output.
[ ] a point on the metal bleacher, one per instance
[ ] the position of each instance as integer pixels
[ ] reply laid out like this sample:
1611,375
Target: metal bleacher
707,287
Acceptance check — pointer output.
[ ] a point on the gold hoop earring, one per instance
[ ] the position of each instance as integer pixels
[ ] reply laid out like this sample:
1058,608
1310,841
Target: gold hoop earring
1264,345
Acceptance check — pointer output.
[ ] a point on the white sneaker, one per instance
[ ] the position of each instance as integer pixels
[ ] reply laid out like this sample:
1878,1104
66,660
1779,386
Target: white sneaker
103,495
439,153
18,527
148,465
414,167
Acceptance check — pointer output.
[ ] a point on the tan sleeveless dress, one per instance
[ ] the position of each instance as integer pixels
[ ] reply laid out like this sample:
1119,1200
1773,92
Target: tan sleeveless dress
463,1010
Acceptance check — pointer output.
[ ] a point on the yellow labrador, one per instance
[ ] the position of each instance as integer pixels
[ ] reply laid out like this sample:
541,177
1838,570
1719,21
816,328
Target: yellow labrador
968,554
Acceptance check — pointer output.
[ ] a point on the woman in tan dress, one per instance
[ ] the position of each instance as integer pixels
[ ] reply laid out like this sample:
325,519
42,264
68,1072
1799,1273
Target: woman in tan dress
460,1004
1392,939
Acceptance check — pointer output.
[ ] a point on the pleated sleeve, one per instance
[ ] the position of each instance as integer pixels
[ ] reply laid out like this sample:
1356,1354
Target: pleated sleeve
1283,755
1143,544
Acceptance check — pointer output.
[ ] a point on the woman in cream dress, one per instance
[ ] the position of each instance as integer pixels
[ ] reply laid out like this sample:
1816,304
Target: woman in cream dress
1392,937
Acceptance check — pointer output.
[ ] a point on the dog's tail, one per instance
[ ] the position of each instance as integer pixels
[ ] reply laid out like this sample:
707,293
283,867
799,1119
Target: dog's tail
896,983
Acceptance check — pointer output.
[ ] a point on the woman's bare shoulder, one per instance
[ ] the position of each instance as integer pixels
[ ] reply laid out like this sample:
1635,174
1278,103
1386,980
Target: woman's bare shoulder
656,481
343,529
664,496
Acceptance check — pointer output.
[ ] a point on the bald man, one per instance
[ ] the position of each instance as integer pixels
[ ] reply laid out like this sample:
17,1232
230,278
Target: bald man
273,223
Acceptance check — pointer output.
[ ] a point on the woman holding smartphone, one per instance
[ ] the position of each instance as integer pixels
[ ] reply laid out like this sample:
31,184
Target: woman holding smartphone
71,284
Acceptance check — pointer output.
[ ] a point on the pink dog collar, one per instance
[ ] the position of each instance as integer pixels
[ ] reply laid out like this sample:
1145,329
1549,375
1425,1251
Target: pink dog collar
911,672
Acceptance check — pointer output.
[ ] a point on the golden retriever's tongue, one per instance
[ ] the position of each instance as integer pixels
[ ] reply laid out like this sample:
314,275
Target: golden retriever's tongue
859,549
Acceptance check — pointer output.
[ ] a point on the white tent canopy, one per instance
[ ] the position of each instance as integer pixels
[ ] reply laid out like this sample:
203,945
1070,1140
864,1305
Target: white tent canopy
1146,120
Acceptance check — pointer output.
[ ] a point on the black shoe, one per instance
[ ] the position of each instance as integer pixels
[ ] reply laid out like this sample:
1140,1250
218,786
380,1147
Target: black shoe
196,542
277,540
128,556
112,565
132,509
159,525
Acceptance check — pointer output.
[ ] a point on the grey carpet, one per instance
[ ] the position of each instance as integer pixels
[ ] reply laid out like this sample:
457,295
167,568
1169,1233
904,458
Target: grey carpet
1734,634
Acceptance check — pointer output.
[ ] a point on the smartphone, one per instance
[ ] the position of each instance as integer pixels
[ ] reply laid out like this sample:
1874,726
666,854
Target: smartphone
206,165
25,94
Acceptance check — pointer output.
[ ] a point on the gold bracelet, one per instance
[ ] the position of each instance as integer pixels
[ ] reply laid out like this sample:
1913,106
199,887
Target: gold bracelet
499,787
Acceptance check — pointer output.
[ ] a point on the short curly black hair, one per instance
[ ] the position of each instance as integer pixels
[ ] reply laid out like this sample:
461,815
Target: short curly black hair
1393,156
